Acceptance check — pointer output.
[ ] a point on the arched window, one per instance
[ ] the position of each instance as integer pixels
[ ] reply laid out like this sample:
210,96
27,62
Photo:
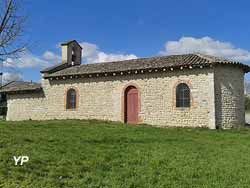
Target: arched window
71,99
182,95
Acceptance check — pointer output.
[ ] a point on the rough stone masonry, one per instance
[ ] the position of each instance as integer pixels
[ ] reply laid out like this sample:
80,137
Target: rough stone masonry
214,91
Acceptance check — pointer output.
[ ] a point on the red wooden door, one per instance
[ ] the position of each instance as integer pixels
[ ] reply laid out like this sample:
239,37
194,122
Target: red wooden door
131,111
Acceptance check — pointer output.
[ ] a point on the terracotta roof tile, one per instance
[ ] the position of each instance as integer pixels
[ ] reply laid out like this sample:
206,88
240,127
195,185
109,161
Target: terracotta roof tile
195,60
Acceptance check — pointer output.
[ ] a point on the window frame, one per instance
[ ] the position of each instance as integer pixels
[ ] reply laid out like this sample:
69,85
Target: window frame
68,105
182,101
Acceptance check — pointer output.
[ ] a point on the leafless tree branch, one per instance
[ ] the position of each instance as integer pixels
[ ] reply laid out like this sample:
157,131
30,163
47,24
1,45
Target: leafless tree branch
11,29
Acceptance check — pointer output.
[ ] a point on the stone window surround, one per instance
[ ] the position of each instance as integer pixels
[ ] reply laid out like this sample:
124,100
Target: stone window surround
188,82
77,99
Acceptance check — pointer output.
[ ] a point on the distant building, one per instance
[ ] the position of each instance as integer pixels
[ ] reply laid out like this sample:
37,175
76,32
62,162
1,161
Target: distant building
191,90
247,88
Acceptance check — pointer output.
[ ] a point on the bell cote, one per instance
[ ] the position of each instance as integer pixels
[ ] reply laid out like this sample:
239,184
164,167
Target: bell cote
71,53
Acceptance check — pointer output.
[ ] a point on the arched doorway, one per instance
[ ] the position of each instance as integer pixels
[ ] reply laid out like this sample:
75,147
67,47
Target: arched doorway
131,105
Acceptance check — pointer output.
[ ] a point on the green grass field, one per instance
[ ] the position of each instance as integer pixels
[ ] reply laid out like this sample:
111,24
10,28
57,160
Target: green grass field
102,154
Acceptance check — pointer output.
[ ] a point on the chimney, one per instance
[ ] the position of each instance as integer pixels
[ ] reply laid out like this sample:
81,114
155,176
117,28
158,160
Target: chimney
71,53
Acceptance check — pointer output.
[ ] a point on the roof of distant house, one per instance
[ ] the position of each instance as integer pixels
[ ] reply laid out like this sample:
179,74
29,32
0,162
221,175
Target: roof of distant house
20,86
172,61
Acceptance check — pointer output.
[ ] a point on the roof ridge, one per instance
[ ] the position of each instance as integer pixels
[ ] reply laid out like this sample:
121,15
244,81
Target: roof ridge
126,60
20,86
6,84
212,58
169,61
140,58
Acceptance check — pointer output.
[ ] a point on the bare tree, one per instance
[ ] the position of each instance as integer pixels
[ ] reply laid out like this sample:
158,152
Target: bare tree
11,29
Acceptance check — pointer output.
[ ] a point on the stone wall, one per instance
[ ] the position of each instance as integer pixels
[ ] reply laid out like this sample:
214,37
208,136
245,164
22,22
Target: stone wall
26,106
229,92
102,98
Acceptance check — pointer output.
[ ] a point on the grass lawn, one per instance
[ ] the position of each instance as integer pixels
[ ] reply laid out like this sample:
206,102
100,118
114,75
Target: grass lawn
100,154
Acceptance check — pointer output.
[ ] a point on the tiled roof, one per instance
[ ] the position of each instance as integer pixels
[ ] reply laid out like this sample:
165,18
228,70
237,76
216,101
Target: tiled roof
55,68
70,41
173,61
20,86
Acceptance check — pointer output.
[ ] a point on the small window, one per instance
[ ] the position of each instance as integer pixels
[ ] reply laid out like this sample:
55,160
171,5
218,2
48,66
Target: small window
182,96
71,99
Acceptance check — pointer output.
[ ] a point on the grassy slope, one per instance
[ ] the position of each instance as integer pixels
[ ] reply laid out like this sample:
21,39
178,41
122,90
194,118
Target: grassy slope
99,154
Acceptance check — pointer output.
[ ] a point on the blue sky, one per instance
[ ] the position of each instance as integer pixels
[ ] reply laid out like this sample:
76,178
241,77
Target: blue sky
115,30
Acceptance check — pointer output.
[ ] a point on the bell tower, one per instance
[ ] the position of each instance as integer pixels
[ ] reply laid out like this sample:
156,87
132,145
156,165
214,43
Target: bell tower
71,53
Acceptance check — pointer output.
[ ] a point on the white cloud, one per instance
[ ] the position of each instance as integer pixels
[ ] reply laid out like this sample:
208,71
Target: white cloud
52,57
92,54
31,61
13,67
208,46
103,57
28,60
89,50
9,63
11,76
